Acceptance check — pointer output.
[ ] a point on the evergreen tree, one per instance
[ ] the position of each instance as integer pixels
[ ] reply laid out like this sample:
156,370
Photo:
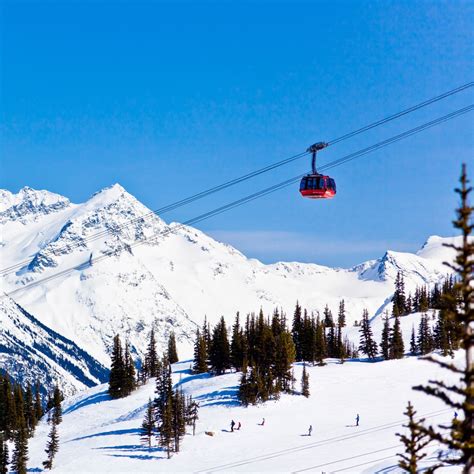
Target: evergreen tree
29,411
308,338
296,331
150,366
341,347
251,389
38,404
284,358
200,354
397,347
206,332
163,404
423,304
415,441
192,413
425,338
166,429
172,351
441,334
19,412
148,424
409,304
385,343
462,433
129,382
367,344
219,354
413,345
319,342
399,300
8,416
237,346
305,382
52,446
57,413
328,321
341,315
20,450
3,455
117,370
178,418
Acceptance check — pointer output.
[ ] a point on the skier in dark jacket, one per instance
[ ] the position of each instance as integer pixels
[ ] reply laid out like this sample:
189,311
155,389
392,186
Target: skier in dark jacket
357,420
232,424
310,430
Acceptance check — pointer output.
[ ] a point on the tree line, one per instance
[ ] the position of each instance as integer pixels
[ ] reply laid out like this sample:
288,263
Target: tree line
20,412
123,377
264,349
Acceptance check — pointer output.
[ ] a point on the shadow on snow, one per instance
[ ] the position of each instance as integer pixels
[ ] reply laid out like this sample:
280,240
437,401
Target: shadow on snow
226,396
91,400
107,433
134,451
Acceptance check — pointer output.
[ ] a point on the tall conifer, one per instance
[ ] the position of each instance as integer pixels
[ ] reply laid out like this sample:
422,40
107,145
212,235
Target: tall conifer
385,342
397,347
200,354
148,425
305,382
52,446
117,370
367,344
172,351
415,441
4,458
461,395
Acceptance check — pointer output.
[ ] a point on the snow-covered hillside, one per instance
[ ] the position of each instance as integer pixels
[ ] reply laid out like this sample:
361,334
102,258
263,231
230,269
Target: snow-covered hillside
173,278
102,435
30,352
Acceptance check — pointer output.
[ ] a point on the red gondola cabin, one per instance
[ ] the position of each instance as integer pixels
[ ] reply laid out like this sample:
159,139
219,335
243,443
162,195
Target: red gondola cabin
315,185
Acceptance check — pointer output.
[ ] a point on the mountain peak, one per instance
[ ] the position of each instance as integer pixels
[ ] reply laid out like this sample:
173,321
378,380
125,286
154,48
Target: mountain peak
29,202
110,194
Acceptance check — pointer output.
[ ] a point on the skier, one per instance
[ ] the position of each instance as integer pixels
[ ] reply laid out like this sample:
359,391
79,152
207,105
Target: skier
357,420
263,422
455,415
232,424
238,426
310,430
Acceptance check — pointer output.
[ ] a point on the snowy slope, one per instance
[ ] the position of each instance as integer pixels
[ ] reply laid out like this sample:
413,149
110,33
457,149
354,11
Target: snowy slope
102,435
29,351
175,277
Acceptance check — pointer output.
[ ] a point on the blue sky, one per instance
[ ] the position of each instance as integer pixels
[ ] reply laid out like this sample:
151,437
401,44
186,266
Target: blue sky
170,98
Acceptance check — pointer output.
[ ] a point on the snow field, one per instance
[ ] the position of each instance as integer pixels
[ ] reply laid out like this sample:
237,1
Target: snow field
102,435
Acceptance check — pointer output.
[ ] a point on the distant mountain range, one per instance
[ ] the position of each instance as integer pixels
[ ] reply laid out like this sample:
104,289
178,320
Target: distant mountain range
171,279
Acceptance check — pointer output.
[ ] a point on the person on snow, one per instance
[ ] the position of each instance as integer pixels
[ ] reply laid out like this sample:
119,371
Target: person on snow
310,430
232,424
238,426
455,415
357,420
263,422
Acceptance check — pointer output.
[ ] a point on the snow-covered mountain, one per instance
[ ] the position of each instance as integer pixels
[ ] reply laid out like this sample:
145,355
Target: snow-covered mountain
30,352
132,270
